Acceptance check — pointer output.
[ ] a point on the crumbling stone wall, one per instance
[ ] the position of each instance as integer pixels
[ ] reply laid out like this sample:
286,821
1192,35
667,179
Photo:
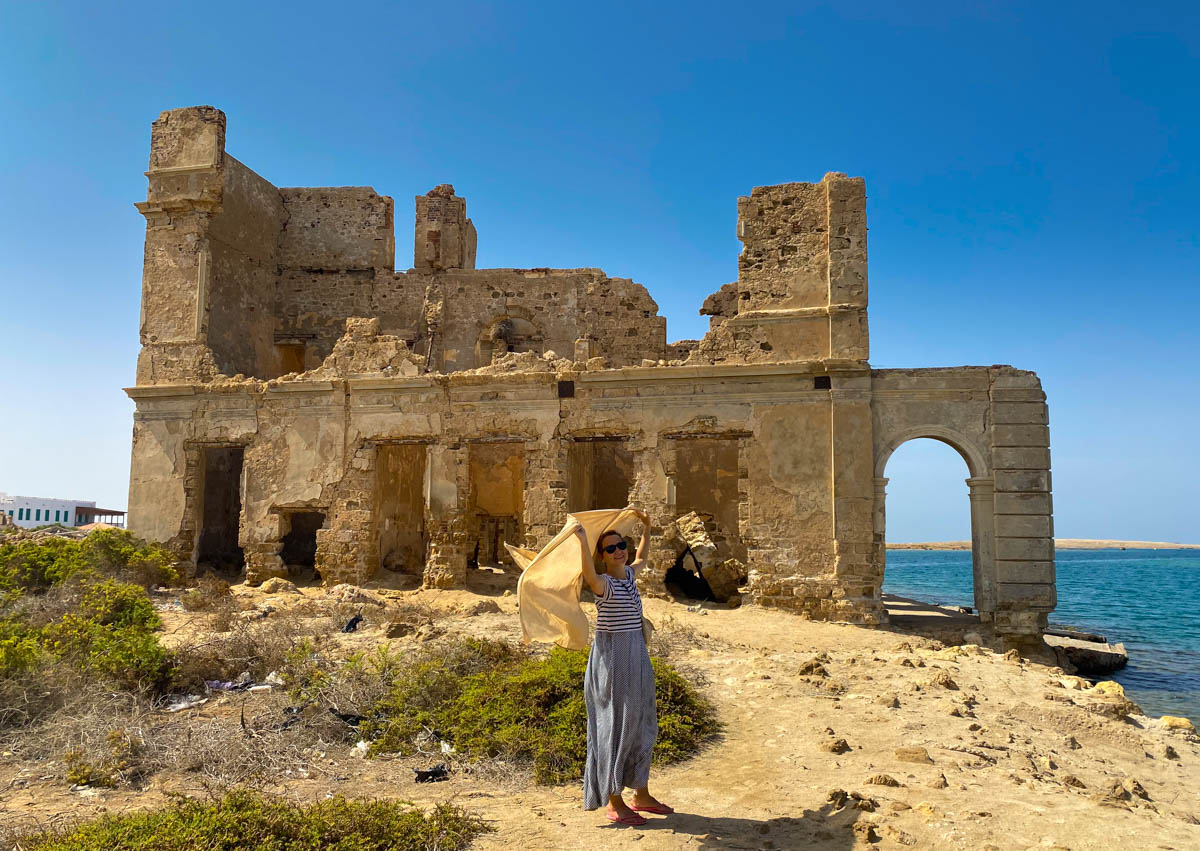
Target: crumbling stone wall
275,325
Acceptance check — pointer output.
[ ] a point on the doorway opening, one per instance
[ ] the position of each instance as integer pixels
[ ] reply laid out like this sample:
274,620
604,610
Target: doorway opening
706,482
400,506
496,501
221,509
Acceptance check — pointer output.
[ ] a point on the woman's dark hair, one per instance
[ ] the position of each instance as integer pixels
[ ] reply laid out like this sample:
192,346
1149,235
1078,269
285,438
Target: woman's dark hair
600,542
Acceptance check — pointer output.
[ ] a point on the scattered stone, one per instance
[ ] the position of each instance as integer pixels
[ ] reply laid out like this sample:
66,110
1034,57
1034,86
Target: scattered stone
836,746
481,607
890,831
974,727
865,831
1070,743
938,782
930,812
1012,656
917,755
346,593
890,701
903,647
278,585
899,806
1046,764
1135,788
883,780
812,668
399,629
956,711
1169,752
905,662
941,678
1073,781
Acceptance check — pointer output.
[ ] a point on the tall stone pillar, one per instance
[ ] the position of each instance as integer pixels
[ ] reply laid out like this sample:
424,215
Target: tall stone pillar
879,530
445,501
983,544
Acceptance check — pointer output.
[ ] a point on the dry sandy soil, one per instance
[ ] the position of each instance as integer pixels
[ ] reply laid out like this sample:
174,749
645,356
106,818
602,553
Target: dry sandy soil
813,755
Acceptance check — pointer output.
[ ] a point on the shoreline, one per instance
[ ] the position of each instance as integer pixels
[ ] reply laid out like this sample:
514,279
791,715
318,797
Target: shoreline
1059,543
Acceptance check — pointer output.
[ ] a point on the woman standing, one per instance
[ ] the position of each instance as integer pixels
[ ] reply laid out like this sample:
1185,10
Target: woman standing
618,687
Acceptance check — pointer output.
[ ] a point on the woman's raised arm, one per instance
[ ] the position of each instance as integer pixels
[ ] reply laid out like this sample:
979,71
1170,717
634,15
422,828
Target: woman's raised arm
594,581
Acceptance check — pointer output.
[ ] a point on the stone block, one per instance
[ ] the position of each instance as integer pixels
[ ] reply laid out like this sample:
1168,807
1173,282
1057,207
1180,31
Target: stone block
1025,572
1020,435
1022,481
1026,595
1016,413
1024,549
1024,526
1017,395
1021,458
1022,503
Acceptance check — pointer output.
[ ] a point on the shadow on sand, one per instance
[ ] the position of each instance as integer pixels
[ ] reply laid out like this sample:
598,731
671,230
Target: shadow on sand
821,828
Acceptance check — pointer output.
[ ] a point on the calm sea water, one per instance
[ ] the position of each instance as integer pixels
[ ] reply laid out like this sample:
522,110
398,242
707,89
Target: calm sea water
1148,599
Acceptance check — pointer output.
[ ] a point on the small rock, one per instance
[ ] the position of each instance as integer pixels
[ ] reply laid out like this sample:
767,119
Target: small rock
974,727
812,668
1046,764
836,746
918,755
1169,752
890,831
1070,743
883,780
905,662
938,782
1073,781
941,678
865,831
482,607
928,810
1176,722
1108,687
346,593
278,585
1135,788
903,647
899,806
399,629
1012,656
890,701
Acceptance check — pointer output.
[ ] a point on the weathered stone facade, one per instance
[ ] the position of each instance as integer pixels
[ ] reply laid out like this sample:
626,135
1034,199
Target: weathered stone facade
300,400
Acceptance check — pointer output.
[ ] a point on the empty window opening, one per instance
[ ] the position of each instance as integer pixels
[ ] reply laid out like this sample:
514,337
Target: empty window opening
601,475
706,481
220,509
497,501
299,551
822,382
400,507
291,357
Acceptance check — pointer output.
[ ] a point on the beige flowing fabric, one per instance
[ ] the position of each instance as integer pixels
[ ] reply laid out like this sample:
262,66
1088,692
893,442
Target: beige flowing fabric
548,590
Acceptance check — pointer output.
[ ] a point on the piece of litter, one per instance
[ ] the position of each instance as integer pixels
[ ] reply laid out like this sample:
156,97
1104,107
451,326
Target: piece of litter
360,749
260,687
432,775
447,748
273,679
189,702
352,624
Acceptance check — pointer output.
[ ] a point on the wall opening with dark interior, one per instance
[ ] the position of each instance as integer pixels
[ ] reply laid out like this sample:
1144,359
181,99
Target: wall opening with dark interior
496,501
706,481
400,506
220,509
601,474
299,551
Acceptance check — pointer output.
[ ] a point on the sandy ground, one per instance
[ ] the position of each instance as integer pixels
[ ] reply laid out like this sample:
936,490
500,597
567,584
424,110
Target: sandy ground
1059,543
1014,759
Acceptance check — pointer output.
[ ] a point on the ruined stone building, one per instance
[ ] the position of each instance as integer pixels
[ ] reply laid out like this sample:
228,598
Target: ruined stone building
300,399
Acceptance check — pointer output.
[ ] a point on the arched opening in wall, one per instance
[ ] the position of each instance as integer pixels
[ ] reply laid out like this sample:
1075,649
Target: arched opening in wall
927,535
504,335
496,501
220,510
299,550
400,506
601,473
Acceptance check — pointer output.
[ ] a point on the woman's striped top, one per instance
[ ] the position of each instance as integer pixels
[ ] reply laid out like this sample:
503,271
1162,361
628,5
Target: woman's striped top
619,609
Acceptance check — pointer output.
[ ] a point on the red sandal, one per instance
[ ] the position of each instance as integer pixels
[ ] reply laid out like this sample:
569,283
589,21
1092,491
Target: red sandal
657,809
632,820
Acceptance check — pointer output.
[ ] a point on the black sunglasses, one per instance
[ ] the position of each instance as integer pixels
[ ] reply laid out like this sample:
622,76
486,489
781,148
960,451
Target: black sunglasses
612,548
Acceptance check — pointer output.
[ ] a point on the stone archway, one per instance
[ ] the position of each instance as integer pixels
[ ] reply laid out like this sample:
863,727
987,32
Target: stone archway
512,333
981,488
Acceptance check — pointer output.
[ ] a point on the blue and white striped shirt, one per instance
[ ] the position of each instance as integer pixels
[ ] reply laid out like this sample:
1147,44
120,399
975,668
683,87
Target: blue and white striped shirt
619,608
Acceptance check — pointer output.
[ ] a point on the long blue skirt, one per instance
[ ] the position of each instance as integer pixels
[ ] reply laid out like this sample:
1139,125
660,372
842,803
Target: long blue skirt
622,721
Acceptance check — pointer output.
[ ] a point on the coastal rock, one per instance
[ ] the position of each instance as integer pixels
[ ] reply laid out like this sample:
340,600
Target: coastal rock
346,593
883,780
1176,722
1089,657
278,585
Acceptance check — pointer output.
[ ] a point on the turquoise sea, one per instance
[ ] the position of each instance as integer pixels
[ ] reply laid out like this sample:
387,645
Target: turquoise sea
1148,599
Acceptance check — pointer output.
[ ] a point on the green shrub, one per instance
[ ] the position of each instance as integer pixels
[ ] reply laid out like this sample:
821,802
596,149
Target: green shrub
20,648
126,655
244,819
526,709
35,565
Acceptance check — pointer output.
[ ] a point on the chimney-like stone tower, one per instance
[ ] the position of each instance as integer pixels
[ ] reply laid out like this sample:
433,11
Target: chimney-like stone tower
445,237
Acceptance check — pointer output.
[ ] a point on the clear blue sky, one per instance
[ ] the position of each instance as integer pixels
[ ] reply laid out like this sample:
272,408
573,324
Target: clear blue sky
1032,172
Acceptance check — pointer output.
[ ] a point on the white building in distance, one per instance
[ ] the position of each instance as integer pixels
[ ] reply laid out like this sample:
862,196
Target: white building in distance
30,512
